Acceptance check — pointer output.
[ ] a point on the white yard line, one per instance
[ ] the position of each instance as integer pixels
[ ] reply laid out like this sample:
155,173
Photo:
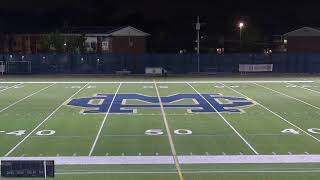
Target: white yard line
48,117
188,172
103,122
149,82
226,121
188,159
10,86
25,98
172,147
304,88
282,118
299,100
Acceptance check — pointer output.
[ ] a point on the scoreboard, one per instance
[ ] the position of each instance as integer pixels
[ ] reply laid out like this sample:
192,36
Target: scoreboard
27,169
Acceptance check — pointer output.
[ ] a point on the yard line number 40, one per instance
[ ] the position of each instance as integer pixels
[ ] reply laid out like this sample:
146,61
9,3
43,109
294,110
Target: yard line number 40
23,132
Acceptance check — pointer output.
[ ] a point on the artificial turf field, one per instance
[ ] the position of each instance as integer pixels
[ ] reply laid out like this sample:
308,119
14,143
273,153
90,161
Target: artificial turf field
46,117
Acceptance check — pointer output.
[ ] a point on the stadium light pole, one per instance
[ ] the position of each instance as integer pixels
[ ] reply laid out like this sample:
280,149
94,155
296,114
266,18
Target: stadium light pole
198,27
241,25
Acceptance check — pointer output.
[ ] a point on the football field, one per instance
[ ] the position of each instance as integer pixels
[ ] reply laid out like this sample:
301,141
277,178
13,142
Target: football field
165,129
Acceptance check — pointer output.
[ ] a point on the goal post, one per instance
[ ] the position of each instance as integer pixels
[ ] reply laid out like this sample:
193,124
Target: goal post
18,67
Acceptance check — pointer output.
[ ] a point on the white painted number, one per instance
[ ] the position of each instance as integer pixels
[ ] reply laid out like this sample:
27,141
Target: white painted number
290,131
183,132
314,130
154,132
158,132
46,133
17,133
39,133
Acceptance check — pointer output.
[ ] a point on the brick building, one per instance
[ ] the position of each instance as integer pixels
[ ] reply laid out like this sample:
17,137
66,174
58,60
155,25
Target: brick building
125,39
303,40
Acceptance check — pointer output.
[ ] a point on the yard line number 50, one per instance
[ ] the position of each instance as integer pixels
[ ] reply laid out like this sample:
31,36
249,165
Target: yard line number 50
159,132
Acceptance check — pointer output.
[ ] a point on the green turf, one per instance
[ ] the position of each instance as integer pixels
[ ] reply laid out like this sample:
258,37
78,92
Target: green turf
124,134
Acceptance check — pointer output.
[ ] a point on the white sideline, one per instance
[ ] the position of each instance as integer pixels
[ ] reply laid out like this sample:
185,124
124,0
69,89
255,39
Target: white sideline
146,160
27,136
103,122
226,121
282,118
25,98
299,100
10,86
188,172
150,82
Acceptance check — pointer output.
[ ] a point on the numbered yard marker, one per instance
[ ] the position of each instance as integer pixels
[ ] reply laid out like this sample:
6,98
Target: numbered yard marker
183,132
290,131
314,130
46,133
154,132
17,133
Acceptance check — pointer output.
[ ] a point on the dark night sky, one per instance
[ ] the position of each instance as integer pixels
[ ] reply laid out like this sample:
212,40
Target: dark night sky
160,18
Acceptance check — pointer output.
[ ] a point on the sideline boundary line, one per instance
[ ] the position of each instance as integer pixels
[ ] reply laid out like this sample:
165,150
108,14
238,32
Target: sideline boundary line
26,98
282,118
188,159
286,95
173,149
226,121
188,172
48,117
149,82
103,122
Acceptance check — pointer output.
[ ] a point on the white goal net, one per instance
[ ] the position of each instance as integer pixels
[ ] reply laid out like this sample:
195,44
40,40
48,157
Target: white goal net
245,68
18,67
154,70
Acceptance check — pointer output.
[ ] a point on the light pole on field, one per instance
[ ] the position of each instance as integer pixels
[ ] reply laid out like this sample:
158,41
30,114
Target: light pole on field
198,27
241,25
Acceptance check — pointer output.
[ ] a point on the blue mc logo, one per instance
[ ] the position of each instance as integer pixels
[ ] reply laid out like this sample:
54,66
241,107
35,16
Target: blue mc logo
122,104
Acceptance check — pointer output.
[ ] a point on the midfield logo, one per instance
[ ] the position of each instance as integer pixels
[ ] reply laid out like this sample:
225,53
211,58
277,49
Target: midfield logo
131,103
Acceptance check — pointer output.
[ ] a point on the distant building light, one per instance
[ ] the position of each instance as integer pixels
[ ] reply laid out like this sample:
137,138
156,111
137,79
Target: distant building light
285,41
22,57
65,44
82,59
10,56
98,60
43,57
270,51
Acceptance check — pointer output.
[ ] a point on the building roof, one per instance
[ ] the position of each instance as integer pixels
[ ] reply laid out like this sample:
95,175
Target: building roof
305,31
105,31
